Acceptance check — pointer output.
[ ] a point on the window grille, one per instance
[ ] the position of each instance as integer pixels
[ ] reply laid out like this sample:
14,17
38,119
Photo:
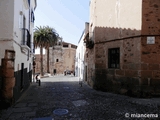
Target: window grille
114,58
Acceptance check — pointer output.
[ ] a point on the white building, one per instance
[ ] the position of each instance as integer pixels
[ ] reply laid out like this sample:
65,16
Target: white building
16,45
79,65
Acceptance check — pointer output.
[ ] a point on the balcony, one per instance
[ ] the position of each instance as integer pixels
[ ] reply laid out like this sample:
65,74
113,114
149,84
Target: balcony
26,3
26,41
57,47
89,40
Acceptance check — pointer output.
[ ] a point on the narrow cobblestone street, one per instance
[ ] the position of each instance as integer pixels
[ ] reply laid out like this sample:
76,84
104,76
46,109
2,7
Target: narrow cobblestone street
62,98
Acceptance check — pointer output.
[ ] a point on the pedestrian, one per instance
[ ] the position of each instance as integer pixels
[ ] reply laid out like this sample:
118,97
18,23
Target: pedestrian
74,73
37,77
54,71
38,80
64,72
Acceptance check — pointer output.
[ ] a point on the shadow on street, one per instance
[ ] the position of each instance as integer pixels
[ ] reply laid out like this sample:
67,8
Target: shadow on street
62,98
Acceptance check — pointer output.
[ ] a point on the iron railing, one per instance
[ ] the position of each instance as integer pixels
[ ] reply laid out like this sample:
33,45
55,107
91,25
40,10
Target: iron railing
26,37
90,42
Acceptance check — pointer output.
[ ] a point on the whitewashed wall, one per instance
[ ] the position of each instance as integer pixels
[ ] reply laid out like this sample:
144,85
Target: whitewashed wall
6,26
80,57
11,22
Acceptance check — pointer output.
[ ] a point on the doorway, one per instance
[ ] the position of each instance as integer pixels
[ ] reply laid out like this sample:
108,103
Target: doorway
22,76
85,73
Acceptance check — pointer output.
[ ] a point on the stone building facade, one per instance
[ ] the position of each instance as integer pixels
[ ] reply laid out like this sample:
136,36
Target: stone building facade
16,48
123,47
61,58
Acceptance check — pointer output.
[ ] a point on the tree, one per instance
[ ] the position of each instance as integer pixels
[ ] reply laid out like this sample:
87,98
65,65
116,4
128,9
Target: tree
54,38
44,37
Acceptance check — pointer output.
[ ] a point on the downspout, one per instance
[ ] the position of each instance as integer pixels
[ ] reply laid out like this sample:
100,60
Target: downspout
29,16
29,21
29,28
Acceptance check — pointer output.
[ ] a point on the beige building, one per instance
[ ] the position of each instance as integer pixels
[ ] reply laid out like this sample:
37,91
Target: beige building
122,43
61,58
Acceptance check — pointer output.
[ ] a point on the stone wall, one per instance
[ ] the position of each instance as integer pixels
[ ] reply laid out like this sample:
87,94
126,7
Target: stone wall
59,66
38,63
90,60
60,58
125,25
150,53
125,77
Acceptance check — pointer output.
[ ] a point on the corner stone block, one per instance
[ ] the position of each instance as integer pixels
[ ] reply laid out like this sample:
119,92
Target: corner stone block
7,93
153,66
134,66
146,73
100,65
144,66
131,73
125,66
9,82
120,72
7,63
9,54
156,74
8,72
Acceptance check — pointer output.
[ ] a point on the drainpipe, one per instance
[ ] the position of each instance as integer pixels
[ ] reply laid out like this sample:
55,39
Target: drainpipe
29,14
29,22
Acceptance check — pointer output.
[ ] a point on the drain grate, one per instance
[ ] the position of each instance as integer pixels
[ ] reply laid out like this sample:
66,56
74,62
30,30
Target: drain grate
60,111
43,118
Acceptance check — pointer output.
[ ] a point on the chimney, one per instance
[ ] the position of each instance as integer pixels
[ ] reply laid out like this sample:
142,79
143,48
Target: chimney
86,27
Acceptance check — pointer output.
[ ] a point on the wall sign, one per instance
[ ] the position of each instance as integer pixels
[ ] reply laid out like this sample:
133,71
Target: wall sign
150,40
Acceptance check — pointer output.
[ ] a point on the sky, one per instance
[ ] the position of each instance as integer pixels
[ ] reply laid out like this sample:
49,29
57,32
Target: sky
67,17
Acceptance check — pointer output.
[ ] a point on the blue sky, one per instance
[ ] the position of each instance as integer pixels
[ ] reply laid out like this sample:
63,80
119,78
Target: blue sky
68,17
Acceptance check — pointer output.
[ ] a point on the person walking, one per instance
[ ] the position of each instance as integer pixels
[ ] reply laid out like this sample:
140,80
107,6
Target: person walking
54,71
74,73
38,79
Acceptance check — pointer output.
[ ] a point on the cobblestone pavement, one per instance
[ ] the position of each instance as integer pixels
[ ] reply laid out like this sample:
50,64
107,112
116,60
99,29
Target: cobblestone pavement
62,98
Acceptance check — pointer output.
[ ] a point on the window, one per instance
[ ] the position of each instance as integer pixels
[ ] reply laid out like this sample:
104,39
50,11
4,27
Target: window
57,60
73,46
32,16
29,2
113,58
65,45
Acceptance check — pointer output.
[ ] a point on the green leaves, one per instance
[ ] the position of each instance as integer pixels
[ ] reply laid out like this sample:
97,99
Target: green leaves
45,37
